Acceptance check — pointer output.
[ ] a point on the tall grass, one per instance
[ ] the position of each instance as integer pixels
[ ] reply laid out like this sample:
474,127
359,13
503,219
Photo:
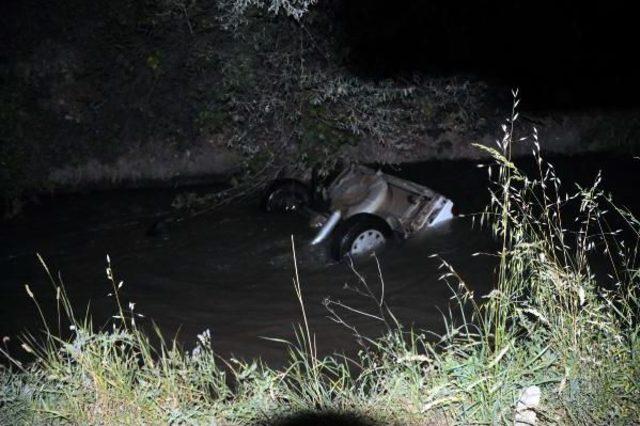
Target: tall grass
548,322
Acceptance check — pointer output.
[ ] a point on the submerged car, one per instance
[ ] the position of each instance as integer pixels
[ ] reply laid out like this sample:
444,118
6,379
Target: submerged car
361,208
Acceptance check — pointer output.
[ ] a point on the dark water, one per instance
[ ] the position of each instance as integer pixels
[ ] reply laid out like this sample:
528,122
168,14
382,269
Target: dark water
231,271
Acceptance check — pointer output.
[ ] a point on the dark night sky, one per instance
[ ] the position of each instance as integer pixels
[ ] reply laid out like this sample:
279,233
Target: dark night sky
562,54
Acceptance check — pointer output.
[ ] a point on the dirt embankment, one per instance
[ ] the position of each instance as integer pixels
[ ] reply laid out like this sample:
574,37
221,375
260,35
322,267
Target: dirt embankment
201,162
115,94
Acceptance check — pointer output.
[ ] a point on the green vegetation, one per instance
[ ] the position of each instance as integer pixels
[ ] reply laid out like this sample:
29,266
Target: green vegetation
257,80
547,323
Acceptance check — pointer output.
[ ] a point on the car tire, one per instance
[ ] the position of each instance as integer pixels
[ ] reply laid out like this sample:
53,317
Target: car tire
286,196
359,235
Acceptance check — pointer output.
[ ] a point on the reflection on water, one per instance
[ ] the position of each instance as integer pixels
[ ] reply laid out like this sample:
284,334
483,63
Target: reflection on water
231,271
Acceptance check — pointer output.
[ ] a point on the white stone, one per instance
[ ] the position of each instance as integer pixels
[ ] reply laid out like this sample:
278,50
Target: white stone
526,406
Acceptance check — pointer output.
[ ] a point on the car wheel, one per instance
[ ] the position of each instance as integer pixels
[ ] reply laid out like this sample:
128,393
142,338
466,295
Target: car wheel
358,235
286,195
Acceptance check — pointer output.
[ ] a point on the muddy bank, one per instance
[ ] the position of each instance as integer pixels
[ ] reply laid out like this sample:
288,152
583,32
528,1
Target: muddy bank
147,167
559,133
114,94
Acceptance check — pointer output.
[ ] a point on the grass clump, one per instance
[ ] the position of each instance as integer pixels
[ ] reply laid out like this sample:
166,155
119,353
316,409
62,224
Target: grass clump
551,325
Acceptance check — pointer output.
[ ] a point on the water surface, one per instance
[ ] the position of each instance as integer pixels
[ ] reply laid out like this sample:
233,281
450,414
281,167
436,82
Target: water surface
230,271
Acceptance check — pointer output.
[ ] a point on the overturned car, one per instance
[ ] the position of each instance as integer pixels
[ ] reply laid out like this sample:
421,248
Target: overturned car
361,208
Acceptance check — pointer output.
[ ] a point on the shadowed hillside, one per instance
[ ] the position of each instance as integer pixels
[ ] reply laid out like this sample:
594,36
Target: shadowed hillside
114,92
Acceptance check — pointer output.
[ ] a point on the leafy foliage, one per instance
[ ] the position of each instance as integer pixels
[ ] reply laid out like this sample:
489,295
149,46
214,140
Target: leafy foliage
233,12
548,323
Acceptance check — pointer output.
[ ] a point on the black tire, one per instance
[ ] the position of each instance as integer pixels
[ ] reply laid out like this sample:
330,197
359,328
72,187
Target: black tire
285,196
358,227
